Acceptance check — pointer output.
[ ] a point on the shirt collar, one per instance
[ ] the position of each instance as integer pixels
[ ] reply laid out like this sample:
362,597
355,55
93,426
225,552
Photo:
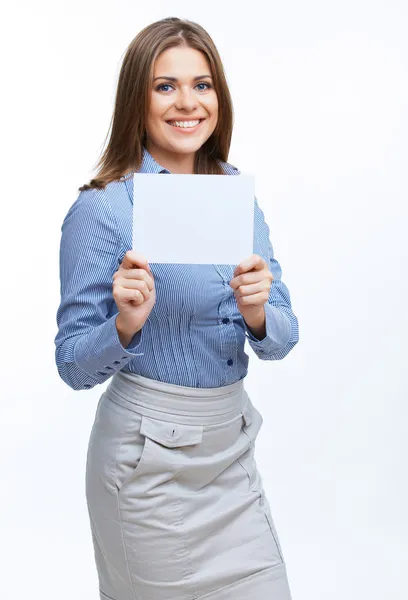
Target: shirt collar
149,165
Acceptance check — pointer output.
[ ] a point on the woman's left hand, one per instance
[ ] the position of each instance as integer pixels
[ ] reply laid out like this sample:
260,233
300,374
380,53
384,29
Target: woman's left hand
251,284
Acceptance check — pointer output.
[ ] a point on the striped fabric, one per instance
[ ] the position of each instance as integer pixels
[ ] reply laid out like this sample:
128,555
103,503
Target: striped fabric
194,336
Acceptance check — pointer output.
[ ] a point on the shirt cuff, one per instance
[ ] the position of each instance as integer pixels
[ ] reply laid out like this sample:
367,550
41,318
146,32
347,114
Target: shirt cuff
278,332
100,352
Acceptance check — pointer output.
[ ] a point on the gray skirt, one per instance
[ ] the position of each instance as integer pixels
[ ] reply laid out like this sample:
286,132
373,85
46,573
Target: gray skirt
176,504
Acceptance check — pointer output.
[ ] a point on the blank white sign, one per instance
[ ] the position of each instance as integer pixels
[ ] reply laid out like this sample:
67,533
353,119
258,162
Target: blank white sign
193,219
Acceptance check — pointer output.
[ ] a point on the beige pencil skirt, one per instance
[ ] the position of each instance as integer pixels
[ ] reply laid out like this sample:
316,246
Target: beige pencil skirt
176,504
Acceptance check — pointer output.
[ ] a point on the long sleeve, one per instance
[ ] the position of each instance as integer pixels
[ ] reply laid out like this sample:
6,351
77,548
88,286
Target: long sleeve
282,329
88,349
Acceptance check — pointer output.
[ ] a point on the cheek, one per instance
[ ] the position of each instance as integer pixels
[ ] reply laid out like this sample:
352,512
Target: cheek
157,110
212,106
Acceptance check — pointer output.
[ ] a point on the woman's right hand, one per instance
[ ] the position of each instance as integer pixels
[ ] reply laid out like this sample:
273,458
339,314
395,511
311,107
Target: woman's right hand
134,294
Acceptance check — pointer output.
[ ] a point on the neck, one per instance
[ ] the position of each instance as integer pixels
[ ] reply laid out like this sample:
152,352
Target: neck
175,163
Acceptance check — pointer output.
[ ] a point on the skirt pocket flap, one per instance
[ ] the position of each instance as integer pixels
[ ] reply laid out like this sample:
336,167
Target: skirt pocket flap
171,434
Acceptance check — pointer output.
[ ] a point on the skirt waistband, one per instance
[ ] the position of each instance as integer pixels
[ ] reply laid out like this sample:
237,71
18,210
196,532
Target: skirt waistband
170,402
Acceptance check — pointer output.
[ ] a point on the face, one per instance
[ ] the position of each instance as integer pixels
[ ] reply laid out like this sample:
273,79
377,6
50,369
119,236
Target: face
183,108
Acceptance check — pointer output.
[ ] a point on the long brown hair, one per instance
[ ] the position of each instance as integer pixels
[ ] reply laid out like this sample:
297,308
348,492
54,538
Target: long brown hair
127,127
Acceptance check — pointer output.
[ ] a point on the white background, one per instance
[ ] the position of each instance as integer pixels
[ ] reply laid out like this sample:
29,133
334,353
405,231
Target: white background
320,92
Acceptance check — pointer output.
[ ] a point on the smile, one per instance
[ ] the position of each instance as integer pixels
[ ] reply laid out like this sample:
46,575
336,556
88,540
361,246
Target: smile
186,126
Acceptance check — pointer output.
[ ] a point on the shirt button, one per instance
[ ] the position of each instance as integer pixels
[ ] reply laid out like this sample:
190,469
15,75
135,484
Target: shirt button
225,321
230,362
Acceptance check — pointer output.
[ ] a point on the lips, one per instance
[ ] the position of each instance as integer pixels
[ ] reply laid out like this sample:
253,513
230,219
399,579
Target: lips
185,129
185,124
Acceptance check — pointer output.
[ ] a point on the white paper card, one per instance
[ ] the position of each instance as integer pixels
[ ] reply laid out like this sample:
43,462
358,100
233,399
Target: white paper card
193,219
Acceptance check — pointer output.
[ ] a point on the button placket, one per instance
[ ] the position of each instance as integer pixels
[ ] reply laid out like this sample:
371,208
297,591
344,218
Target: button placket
227,335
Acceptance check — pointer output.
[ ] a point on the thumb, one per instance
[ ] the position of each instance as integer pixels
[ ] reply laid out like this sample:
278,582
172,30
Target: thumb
134,259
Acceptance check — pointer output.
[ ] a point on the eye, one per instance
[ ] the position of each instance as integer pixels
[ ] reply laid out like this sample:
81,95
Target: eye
206,84
163,85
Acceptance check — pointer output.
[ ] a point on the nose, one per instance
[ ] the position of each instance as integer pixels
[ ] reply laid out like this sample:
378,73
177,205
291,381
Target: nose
186,100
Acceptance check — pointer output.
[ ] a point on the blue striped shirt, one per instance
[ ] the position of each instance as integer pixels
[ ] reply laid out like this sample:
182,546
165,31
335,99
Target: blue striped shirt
194,336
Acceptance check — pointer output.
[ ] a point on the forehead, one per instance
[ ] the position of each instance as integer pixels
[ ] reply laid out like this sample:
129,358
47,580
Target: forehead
181,62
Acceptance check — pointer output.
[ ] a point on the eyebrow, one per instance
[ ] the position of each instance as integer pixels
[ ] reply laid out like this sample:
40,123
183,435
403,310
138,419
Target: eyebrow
175,78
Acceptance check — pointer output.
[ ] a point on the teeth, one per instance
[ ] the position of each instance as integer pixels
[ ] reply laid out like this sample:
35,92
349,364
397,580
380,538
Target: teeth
184,123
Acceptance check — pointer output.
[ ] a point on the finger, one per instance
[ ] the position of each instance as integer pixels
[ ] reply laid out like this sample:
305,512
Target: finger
254,288
247,278
130,296
134,259
252,262
140,274
252,300
132,284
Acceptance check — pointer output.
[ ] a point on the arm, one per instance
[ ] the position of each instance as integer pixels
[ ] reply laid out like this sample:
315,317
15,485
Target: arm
281,325
88,347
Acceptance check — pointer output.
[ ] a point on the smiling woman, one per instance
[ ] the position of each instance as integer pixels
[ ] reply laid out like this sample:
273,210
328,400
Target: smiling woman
176,503
183,111
168,81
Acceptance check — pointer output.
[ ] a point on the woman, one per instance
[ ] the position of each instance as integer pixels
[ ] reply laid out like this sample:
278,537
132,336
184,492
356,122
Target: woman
176,504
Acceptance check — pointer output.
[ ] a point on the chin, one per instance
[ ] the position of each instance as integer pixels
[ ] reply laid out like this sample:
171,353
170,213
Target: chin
188,147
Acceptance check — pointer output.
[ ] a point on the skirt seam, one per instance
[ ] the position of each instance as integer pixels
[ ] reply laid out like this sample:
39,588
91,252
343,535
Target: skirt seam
124,543
185,537
261,495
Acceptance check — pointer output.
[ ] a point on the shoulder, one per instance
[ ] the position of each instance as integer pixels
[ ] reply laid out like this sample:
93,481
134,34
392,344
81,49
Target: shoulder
87,201
92,205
